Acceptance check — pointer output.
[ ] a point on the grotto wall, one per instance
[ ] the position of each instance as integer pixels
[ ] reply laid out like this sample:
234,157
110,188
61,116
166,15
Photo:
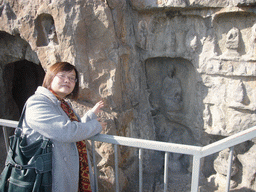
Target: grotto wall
181,71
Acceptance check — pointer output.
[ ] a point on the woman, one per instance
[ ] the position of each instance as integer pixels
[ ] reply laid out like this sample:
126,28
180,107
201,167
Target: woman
48,114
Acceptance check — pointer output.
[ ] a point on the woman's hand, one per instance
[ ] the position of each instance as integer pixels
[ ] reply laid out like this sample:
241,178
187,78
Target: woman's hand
97,107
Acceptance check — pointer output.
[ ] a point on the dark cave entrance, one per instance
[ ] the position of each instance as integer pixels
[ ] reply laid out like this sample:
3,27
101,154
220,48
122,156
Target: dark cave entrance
21,79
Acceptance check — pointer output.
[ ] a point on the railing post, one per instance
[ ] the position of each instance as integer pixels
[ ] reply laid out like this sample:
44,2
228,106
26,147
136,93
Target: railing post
6,139
95,167
195,173
140,171
230,162
166,162
116,168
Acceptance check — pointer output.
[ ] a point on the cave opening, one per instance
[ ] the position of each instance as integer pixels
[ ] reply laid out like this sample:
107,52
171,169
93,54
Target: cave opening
22,79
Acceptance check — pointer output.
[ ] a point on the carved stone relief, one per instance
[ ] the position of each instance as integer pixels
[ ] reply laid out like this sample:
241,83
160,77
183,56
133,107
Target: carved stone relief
170,86
235,98
170,97
171,92
174,37
232,43
143,32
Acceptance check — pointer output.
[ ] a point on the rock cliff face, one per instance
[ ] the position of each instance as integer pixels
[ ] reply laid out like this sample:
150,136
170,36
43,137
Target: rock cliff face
181,71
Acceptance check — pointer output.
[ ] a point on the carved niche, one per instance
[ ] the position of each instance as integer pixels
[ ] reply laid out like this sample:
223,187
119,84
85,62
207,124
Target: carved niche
171,90
46,32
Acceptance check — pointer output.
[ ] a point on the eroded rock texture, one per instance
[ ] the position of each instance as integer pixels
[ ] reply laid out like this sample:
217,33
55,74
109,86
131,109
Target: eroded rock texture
181,71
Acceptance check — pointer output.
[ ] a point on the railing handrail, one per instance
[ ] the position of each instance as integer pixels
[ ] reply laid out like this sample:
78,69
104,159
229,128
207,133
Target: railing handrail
229,141
212,148
8,123
148,144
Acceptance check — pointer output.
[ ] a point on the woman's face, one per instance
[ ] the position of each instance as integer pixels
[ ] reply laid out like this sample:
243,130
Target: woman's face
64,83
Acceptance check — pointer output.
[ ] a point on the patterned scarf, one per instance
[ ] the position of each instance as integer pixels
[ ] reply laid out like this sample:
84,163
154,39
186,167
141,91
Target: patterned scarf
84,178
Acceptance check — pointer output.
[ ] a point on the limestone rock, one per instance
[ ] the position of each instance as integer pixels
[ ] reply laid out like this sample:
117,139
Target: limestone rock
249,168
181,71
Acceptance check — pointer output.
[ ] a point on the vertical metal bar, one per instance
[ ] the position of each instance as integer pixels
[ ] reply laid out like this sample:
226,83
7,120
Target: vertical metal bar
166,163
116,168
140,170
6,139
95,167
230,162
195,173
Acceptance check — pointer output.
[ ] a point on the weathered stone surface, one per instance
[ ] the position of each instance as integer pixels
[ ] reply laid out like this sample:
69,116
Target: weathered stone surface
247,161
169,70
153,4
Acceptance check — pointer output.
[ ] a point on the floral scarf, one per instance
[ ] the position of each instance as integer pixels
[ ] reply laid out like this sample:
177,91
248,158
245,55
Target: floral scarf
84,178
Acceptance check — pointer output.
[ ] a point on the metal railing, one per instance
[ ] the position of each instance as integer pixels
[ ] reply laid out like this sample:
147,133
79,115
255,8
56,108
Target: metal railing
197,152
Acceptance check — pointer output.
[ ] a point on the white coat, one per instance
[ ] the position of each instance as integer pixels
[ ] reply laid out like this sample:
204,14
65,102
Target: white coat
44,116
